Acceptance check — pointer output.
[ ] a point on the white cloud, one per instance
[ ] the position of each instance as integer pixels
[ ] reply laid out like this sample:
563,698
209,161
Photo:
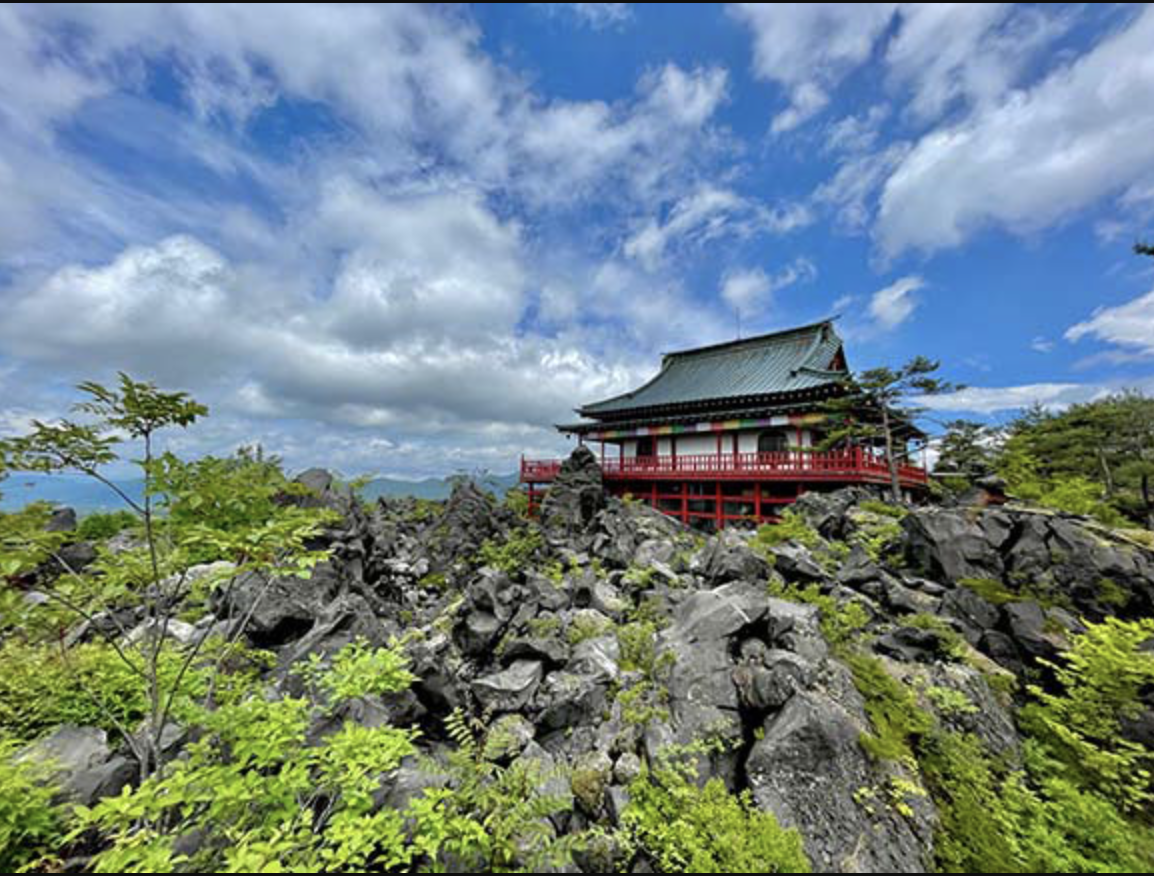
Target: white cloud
941,53
990,400
1033,158
416,331
852,189
893,305
564,151
408,76
1128,325
706,214
855,134
969,52
598,16
747,289
750,290
808,48
1041,345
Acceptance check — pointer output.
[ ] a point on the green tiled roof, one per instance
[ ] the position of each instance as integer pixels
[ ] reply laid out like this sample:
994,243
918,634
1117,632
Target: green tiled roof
778,363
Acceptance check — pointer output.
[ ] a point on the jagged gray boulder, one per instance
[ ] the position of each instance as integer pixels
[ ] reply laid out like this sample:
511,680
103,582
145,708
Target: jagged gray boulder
576,495
510,689
81,763
809,770
947,545
278,610
727,557
62,520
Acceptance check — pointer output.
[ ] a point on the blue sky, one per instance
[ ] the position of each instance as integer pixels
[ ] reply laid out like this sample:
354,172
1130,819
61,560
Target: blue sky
407,240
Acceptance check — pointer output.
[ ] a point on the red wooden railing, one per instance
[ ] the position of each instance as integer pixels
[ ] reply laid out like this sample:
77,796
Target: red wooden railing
855,464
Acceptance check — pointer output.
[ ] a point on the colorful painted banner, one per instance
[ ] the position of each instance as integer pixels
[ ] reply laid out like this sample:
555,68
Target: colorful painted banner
715,426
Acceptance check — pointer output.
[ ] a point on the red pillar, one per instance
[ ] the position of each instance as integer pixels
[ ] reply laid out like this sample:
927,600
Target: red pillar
719,510
684,502
757,501
653,500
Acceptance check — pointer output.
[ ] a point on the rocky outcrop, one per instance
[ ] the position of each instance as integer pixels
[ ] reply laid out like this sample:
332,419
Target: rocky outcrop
81,763
616,633
576,495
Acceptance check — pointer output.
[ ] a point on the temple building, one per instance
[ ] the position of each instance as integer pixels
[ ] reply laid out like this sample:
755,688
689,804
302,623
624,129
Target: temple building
732,432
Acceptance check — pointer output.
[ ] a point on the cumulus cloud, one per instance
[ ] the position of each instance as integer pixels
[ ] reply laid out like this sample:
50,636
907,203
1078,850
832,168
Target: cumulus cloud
750,290
1033,158
994,399
941,53
970,53
597,16
893,305
706,214
1129,325
808,48
414,312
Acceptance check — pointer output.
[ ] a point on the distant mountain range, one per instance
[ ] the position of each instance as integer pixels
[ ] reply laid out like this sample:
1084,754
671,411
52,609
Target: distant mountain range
86,495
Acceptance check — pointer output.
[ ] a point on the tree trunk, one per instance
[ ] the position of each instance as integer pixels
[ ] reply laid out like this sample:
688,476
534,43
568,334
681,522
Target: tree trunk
895,483
1148,500
1106,474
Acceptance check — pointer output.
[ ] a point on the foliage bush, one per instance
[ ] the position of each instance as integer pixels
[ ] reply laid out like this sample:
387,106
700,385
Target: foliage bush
995,819
1079,800
681,828
1101,677
884,509
265,796
587,626
791,527
101,526
994,592
515,554
491,818
892,708
30,821
841,622
43,686
638,643
357,671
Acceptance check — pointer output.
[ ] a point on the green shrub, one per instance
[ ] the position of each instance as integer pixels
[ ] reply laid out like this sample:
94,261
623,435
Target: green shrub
357,671
643,703
879,538
587,626
681,828
953,645
30,823
1101,677
1033,820
545,627
513,555
892,709
791,527
491,818
994,592
517,501
269,798
638,644
42,687
101,526
841,622
1112,593
885,509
